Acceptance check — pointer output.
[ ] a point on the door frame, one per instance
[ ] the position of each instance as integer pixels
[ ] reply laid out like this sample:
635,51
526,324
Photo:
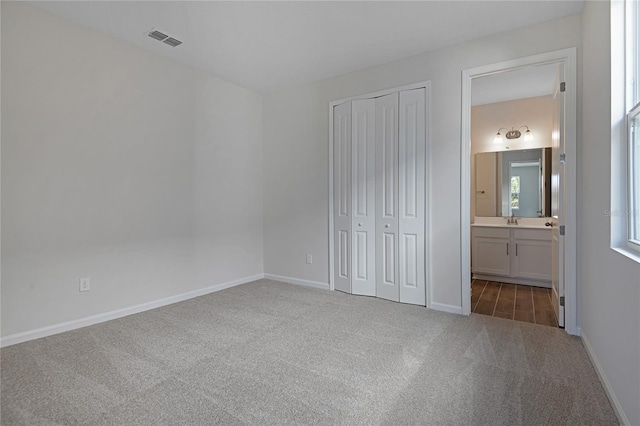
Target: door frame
427,225
569,58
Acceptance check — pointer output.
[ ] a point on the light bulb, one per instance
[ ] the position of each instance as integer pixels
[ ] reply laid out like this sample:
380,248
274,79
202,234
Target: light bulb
498,138
528,136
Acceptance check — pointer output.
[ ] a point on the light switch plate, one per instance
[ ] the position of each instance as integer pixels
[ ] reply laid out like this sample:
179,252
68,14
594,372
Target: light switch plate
85,284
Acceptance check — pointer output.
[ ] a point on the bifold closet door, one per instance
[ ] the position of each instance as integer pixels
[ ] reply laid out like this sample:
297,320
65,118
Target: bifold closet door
411,196
400,196
363,217
387,197
354,195
379,196
342,196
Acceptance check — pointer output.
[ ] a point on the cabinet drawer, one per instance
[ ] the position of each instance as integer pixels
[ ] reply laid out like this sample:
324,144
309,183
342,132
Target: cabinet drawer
532,234
491,232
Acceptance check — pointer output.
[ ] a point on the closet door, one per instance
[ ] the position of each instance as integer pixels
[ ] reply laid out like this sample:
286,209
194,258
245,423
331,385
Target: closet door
363,197
387,197
342,196
411,191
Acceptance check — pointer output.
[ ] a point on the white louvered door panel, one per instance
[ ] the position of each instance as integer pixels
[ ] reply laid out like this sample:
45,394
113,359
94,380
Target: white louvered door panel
363,197
387,197
342,196
411,196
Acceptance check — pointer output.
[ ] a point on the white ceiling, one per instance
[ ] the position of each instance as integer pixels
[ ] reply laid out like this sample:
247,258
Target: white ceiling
269,45
508,86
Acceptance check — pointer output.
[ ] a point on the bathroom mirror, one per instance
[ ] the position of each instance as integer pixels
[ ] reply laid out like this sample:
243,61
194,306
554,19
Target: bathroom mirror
515,182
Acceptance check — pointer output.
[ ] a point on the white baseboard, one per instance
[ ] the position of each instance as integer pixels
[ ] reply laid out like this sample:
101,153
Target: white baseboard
298,281
443,307
617,407
25,336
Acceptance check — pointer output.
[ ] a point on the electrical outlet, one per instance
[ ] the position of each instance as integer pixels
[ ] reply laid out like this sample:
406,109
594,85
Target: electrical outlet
85,284
309,259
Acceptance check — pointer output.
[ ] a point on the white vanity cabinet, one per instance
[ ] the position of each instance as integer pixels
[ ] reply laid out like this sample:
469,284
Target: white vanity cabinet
532,254
490,253
512,254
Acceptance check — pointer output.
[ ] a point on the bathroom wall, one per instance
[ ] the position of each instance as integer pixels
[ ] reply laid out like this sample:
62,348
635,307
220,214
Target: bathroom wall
537,113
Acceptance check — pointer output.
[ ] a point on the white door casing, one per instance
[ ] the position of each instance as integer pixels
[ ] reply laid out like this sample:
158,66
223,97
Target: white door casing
568,58
342,196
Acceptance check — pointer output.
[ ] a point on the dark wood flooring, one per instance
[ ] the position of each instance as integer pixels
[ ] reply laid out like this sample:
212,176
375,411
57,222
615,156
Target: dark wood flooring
513,301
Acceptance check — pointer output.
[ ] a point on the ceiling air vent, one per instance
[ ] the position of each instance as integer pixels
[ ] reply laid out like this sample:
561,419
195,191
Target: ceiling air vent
157,35
172,41
160,36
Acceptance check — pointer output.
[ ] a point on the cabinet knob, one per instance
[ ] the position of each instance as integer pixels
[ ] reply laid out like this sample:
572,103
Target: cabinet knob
360,224
387,225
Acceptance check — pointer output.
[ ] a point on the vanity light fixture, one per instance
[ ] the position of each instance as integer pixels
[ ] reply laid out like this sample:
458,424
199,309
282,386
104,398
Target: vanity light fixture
514,134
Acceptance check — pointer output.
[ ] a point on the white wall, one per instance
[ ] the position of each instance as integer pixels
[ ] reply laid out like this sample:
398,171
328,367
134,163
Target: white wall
120,165
609,283
296,151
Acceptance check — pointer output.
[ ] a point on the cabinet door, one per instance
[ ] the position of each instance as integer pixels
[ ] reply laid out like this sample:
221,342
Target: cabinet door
491,256
532,259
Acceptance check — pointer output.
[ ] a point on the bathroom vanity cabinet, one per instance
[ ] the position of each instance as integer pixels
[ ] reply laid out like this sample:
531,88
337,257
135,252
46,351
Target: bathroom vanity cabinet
512,254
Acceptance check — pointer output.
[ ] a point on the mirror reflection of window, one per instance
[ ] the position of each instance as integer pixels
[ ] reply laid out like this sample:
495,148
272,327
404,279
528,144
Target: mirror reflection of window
524,194
495,193
515,192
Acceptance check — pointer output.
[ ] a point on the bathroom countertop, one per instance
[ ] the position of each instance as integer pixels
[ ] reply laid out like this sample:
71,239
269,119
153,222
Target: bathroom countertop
504,225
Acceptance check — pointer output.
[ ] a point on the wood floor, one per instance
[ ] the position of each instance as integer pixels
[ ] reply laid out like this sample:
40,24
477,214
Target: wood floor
512,301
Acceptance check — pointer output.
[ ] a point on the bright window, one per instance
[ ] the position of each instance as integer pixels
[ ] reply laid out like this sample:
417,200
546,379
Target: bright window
634,176
632,59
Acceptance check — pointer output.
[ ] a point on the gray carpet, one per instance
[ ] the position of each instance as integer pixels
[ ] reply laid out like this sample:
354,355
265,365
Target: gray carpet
274,353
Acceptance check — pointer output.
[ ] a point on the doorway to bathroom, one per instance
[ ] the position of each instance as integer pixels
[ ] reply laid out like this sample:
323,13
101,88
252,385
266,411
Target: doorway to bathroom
513,301
518,195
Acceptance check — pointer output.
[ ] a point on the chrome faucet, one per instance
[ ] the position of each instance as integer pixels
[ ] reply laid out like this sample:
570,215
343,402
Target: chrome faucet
512,220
